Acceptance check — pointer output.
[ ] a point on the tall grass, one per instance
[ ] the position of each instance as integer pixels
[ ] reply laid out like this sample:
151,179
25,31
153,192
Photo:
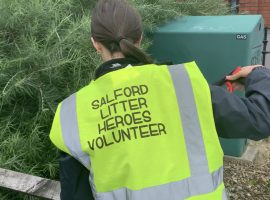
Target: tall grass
46,55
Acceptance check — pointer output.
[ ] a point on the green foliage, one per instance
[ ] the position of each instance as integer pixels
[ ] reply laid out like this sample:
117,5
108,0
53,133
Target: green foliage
5,195
46,55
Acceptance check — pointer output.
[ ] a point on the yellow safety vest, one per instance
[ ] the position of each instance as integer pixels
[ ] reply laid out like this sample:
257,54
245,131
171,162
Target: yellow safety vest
144,133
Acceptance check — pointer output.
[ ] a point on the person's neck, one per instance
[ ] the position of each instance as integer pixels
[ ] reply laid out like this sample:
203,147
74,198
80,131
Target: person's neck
108,56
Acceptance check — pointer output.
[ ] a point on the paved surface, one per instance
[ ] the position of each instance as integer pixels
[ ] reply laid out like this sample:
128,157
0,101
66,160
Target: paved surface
249,155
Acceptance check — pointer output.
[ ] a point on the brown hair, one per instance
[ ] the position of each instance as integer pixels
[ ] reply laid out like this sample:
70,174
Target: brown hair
117,26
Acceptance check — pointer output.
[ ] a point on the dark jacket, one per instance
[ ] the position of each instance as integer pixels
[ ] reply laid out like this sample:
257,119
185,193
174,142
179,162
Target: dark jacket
235,117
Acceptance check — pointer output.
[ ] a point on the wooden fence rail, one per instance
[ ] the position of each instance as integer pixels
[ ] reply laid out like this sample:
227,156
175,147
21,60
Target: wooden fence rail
28,184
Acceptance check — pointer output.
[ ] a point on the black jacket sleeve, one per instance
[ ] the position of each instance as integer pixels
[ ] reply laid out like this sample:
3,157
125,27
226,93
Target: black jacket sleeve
244,117
74,179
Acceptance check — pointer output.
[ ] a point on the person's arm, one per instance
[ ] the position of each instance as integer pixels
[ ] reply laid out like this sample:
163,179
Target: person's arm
74,179
244,117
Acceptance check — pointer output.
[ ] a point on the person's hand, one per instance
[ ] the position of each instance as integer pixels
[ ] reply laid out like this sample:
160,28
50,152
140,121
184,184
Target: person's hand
243,73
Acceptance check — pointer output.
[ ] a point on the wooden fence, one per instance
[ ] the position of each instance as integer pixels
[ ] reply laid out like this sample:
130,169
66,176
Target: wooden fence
28,184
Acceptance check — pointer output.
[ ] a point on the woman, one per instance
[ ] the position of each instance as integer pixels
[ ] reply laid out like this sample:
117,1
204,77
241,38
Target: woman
124,128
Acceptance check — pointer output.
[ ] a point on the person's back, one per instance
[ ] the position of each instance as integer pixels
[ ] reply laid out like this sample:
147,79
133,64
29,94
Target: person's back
145,132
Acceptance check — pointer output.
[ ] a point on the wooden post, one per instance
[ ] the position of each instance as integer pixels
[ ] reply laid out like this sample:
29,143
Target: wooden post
31,185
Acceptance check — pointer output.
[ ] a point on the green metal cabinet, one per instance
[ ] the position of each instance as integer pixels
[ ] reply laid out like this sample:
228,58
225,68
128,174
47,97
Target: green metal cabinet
218,44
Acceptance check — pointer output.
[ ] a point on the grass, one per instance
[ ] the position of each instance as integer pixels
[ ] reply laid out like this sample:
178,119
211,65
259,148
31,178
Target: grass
46,55
6,195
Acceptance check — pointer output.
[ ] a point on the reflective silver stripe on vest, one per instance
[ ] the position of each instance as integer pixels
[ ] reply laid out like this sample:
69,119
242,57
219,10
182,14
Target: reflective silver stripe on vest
190,121
179,190
70,133
200,182
70,130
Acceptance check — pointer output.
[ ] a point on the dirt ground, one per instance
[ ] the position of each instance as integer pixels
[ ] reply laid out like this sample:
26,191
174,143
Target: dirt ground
249,180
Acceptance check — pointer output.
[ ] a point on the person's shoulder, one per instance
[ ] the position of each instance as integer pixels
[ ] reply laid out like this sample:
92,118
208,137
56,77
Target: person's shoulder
72,98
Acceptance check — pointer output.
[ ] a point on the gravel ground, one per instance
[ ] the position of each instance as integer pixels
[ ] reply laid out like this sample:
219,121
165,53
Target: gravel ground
246,180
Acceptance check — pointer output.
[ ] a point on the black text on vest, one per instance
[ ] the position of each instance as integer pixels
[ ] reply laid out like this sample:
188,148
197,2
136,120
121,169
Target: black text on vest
124,116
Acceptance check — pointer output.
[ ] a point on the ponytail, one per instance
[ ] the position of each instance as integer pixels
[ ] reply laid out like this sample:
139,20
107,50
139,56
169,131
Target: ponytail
130,50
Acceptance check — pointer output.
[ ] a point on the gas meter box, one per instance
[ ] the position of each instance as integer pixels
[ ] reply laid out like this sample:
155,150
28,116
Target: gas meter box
218,44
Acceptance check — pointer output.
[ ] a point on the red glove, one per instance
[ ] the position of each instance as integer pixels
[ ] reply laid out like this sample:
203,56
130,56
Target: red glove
228,83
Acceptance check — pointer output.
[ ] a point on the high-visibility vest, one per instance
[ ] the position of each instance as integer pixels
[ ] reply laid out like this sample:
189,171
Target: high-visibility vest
145,133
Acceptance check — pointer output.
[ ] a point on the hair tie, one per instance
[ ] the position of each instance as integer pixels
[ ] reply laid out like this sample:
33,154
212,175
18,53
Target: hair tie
119,39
